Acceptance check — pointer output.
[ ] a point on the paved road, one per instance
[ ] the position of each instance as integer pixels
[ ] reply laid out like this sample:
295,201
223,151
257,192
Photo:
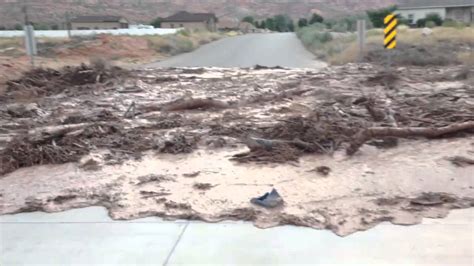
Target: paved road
89,237
275,49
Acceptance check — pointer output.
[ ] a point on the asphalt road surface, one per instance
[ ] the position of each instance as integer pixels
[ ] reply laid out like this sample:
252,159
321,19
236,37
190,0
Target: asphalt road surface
267,49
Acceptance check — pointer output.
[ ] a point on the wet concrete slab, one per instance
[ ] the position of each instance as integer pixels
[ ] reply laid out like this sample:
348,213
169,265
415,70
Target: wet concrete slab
88,236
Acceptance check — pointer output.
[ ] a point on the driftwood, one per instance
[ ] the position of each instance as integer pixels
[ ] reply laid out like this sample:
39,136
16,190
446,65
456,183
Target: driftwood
51,132
461,161
427,132
269,144
192,104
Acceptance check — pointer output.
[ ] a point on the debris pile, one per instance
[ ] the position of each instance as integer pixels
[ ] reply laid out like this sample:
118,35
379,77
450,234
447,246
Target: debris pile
41,82
370,107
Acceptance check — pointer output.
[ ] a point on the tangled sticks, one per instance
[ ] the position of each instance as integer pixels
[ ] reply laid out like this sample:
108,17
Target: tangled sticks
378,132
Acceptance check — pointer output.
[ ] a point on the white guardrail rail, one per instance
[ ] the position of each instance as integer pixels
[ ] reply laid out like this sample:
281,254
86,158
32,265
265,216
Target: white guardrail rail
64,33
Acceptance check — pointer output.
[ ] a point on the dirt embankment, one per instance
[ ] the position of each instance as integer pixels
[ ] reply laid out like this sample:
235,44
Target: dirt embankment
346,147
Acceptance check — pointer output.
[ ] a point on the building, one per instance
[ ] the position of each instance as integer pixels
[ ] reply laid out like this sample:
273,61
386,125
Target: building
192,21
99,23
458,10
247,27
228,25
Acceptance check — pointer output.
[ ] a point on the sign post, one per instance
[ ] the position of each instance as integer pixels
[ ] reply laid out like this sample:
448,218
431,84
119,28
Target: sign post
390,40
30,43
361,28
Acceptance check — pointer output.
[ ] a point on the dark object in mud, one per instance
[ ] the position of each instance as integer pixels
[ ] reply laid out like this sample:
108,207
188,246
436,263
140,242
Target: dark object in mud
153,194
180,206
193,104
257,67
63,198
269,200
323,170
427,132
278,154
388,79
90,117
384,143
178,143
461,161
203,186
192,175
432,199
166,79
151,178
388,201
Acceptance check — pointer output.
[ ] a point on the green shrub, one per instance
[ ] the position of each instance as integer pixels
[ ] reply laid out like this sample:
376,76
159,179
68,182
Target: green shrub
453,24
181,45
430,24
340,27
377,17
435,17
314,36
421,23
186,33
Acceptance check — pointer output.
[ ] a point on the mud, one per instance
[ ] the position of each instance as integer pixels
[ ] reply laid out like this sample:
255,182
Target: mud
280,128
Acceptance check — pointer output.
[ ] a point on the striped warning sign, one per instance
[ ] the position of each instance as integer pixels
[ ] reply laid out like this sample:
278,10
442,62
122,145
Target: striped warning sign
391,23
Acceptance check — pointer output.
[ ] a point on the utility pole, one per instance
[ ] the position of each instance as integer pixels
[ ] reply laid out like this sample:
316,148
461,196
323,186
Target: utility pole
30,40
68,24
24,9
361,32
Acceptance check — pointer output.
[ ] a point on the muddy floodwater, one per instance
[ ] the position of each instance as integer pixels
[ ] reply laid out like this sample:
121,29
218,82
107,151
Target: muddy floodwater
184,144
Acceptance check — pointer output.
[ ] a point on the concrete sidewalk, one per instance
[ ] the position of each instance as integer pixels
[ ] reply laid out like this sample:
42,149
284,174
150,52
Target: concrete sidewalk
89,237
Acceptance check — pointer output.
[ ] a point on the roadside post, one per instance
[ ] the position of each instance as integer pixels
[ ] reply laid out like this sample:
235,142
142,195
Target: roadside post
390,40
30,43
361,32
68,25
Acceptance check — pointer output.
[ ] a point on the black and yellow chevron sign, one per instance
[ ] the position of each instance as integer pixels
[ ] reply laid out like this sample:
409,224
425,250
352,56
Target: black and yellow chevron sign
391,23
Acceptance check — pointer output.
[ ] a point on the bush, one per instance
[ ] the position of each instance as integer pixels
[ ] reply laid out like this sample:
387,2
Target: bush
186,33
421,23
314,35
316,18
302,22
340,27
434,17
453,24
156,23
377,17
430,24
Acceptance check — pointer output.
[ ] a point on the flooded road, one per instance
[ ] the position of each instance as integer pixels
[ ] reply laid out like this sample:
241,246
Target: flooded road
269,49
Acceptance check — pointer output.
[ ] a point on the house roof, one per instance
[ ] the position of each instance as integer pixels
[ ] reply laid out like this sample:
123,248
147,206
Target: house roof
184,16
416,4
228,24
97,19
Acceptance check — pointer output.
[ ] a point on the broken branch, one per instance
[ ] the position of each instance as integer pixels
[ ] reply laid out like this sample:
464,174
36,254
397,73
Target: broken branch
427,132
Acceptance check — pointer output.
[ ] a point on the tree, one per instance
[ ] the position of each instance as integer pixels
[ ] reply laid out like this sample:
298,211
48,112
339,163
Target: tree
40,26
316,18
291,26
3,28
270,23
283,23
421,23
377,16
302,22
249,19
55,27
435,17
156,22
263,24
18,27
